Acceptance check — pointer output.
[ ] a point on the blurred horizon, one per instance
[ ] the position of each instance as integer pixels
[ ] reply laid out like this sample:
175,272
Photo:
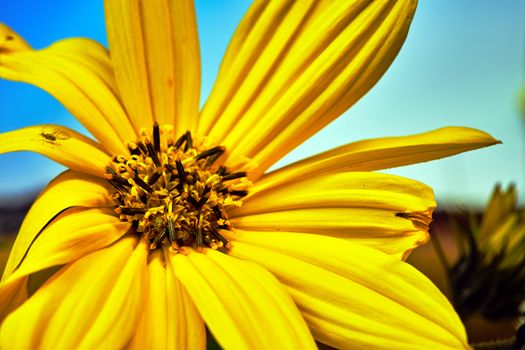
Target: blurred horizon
460,65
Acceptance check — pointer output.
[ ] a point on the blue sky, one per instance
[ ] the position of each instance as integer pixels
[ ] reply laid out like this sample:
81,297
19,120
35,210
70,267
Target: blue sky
461,65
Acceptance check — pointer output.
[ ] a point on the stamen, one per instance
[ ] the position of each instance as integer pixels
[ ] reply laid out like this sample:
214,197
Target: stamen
210,152
240,193
189,142
181,140
193,201
142,184
153,154
169,167
119,180
170,193
143,196
143,148
130,211
235,175
218,212
154,178
156,137
202,201
206,190
180,171
117,186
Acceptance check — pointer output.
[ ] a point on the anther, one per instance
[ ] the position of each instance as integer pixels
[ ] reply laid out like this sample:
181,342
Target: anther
169,167
240,193
142,184
214,157
119,179
225,190
235,175
180,171
153,154
202,201
117,186
180,140
206,190
143,148
156,137
154,178
130,211
193,201
222,170
143,196
218,212
218,150
189,142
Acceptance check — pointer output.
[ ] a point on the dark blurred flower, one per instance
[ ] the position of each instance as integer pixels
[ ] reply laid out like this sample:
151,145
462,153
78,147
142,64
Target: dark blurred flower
489,275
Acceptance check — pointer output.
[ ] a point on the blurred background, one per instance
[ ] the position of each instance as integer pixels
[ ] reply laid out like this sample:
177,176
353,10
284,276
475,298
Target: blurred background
462,64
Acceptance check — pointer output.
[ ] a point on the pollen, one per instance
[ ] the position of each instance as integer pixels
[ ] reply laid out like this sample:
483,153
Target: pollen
174,192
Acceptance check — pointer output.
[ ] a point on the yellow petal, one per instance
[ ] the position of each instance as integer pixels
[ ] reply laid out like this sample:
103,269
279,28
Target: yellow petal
383,153
170,319
341,190
61,144
155,51
69,189
381,229
263,21
73,234
337,195
94,302
301,66
242,304
78,73
355,297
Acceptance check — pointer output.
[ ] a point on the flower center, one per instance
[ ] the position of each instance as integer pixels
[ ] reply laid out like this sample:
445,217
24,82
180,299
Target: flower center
174,192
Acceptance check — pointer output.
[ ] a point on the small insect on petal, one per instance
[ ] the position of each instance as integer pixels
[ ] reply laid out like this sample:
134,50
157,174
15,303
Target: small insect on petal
55,136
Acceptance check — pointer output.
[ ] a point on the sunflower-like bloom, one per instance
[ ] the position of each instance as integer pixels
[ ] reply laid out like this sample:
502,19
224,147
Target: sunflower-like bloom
489,275
168,221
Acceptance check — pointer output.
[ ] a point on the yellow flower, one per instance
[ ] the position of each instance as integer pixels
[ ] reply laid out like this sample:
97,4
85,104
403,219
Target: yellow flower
164,247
